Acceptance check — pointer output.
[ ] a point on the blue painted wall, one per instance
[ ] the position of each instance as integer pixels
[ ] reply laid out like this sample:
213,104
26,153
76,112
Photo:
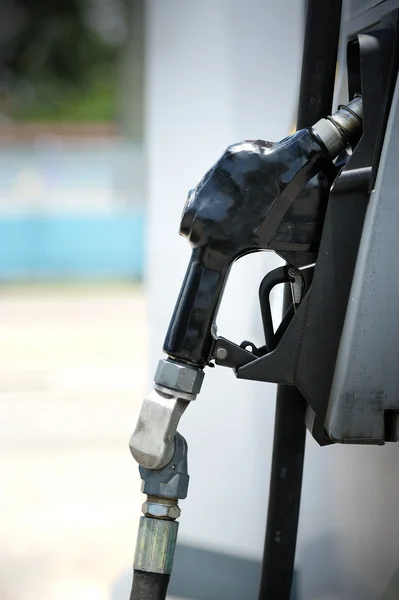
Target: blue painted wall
72,246
71,209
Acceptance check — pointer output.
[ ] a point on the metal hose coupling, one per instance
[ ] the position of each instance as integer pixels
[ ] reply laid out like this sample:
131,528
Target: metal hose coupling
176,385
157,535
342,128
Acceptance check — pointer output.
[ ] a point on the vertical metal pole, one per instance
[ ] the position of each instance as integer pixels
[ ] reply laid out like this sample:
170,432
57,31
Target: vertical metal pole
320,51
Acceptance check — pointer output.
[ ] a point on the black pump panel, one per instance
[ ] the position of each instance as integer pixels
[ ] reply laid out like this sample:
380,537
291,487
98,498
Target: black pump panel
306,355
365,391
360,293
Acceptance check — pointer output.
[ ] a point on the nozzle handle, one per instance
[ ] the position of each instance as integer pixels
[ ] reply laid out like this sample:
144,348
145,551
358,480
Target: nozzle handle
189,337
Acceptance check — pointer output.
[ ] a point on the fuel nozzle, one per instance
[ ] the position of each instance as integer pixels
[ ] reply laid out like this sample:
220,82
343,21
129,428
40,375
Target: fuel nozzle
258,196
250,200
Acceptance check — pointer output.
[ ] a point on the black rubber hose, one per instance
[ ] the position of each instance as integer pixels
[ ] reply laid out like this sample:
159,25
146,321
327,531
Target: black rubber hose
149,586
320,52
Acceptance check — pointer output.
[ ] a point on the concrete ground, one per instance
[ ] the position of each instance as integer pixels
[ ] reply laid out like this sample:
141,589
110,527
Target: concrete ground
72,377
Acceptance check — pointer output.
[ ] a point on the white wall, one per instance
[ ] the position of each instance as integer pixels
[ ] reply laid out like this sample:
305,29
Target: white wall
219,71
213,80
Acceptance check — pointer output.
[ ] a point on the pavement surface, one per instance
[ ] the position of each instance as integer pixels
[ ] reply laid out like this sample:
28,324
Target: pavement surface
72,377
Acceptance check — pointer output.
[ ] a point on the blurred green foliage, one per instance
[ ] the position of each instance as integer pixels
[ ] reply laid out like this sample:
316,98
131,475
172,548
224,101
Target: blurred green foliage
57,66
94,101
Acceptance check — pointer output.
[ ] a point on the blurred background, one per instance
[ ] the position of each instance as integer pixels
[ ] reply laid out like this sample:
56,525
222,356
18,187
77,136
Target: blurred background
72,309
71,157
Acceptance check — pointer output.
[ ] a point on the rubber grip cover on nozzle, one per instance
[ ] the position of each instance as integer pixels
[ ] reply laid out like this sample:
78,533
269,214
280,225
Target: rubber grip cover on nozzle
237,209
245,203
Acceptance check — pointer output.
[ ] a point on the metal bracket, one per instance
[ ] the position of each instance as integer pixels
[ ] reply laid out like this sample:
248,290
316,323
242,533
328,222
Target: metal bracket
229,354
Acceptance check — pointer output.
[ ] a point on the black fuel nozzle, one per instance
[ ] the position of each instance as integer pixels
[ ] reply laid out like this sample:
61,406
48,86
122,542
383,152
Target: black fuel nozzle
252,199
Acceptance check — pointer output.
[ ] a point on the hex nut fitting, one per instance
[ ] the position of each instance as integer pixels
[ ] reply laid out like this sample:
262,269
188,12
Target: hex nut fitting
178,377
160,510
